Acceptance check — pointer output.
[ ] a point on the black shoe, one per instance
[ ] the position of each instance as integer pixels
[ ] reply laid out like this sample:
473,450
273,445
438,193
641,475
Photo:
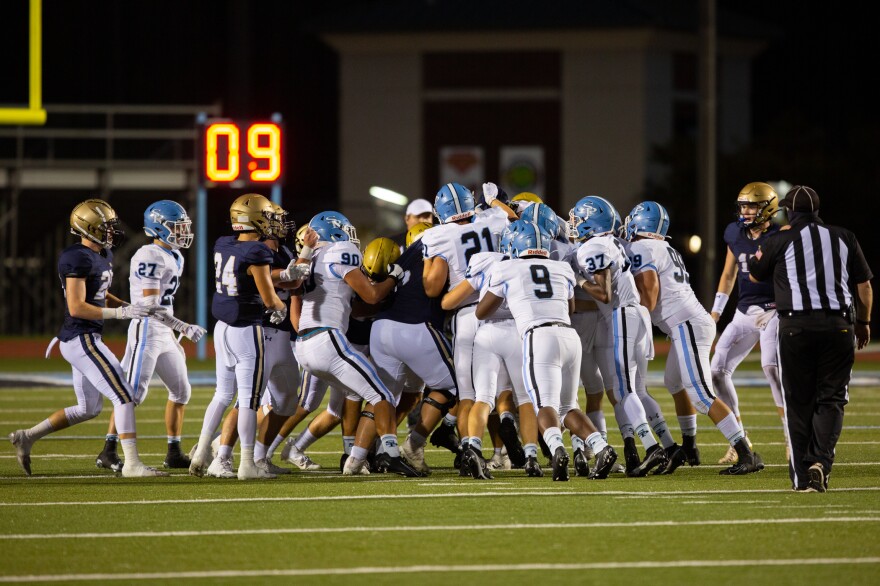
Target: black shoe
817,478
445,437
749,462
342,460
108,458
533,469
464,462
581,466
545,449
385,463
655,456
175,458
691,451
631,454
477,465
605,460
510,438
560,464
675,457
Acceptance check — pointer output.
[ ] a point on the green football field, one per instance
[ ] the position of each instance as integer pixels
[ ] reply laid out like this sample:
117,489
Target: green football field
73,523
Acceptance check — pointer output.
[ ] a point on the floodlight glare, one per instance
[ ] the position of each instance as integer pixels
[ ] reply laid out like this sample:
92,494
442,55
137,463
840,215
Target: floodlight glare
389,196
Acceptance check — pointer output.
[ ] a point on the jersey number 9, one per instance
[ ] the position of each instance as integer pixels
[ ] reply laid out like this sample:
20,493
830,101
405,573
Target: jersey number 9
541,276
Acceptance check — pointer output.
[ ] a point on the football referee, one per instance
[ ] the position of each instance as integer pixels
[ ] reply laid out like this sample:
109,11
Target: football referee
818,273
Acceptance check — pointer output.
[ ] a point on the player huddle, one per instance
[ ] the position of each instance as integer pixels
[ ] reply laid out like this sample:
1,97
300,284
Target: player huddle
490,320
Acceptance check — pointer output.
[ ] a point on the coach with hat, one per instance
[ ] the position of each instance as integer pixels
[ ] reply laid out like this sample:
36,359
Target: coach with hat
823,296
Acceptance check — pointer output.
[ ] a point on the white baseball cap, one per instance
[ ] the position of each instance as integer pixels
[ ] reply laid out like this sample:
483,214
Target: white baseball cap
417,207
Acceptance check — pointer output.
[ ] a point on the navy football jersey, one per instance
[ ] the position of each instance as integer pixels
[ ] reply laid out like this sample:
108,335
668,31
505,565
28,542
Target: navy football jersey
280,259
410,304
744,248
358,331
97,269
236,299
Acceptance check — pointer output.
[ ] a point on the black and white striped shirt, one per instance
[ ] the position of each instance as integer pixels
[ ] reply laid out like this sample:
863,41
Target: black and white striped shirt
814,266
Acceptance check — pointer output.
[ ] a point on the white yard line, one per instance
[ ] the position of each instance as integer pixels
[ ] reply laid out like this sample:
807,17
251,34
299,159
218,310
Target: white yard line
435,528
440,569
368,497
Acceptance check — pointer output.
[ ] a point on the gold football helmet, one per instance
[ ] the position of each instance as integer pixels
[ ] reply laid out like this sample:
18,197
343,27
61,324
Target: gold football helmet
96,220
760,194
282,224
300,234
252,212
521,201
378,254
416,232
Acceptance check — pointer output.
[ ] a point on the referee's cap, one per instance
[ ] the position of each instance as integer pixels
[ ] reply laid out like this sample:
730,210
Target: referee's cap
801,199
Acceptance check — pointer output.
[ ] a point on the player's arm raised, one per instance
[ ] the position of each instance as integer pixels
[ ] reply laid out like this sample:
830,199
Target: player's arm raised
725,285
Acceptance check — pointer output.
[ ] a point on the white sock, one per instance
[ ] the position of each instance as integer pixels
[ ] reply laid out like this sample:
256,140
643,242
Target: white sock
553,438
450,419
225,452
596,442
347,443
464,442
41,429
507,415
130,451
389,443
247,454
304,440
477,444
644,433
531,450
497,451
275,443
259,451
623,424
688,424
576,443
730,428
359,453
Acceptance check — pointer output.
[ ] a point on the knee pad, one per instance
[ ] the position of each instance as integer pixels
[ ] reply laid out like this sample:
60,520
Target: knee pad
443,408
368,415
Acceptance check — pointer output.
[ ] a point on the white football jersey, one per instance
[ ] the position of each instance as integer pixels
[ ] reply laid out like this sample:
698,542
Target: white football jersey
478,277
603,252
676,301
457,243
155,267
327,297
537,290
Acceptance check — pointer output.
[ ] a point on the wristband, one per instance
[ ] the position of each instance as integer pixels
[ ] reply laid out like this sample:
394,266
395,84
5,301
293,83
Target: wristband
720,302
110,313
862,322
306,253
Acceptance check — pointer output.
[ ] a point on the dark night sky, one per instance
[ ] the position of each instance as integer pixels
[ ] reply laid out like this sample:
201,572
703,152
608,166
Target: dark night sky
815,114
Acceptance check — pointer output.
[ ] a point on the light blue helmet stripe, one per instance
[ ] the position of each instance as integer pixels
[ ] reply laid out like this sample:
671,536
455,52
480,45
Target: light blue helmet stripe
454,194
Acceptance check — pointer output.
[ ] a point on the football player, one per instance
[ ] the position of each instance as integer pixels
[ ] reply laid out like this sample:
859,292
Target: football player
664,282
86,271
156,271
324,350
605,274
540,295
244,292
447,249
755,317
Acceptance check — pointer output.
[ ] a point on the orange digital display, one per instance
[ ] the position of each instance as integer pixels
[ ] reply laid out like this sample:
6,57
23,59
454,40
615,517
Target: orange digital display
242,152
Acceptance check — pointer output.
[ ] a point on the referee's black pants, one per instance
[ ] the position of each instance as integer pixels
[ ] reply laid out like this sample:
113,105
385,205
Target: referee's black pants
816,354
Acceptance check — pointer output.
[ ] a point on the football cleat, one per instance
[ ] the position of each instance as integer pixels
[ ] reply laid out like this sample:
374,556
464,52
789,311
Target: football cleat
500,462
270,465
464,463
655,456
23,443
477,466
354,467
199,463
748,461
445,437
691,451
415,456
507,431
293,456
221,468
618,468
254,471
581,465
108,458
175,458
675,457
140,470
729,457
396,465
630,455
342,461
533,469
605,460
560,464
